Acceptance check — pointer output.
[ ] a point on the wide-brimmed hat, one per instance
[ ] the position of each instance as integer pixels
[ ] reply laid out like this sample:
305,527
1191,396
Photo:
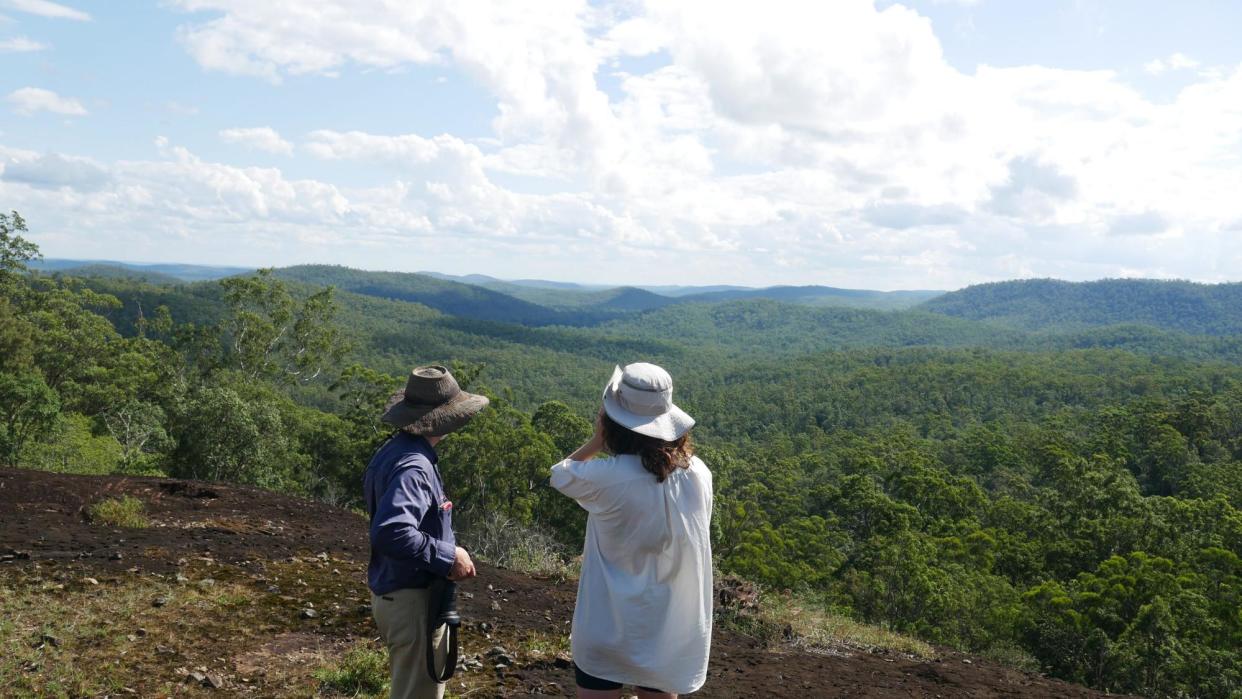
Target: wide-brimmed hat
432,403
640,398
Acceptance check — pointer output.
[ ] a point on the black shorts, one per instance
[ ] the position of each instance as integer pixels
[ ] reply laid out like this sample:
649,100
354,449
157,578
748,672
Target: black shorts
586,681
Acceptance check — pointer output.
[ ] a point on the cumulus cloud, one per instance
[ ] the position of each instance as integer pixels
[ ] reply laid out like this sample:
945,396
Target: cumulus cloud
45,8
53,171
263,138
816,142
1032,191
1175,61
28,101
20,44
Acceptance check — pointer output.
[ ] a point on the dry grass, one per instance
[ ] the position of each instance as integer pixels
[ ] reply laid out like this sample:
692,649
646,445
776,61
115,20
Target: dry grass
813,628
802,621
125,511
500,541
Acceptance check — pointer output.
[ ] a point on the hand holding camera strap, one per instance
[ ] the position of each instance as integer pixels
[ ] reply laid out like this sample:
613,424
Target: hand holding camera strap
442,611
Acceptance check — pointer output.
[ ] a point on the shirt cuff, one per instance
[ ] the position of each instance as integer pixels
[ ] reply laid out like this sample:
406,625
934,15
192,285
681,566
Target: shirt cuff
442,561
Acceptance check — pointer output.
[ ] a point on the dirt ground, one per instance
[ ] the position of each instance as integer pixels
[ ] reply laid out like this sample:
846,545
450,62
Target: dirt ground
269,558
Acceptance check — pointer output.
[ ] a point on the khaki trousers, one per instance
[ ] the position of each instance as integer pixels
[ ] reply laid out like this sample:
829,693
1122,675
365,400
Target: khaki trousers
401,616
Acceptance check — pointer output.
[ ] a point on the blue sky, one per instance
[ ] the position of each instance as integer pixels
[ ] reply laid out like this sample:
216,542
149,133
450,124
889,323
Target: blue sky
928,144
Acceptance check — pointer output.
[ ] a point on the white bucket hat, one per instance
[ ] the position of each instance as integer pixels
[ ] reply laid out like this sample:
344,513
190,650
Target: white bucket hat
640,398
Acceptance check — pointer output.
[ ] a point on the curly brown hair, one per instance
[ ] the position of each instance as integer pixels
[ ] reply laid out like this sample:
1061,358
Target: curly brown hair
658,456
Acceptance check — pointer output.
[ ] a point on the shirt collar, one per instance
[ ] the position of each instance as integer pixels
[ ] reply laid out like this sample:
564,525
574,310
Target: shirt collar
420,444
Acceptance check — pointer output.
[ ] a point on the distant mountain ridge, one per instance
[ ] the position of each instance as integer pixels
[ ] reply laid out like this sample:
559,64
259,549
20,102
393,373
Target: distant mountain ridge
149,271
1046,304
641,298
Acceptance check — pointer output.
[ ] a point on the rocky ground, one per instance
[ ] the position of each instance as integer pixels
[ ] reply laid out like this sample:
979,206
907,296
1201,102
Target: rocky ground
233,591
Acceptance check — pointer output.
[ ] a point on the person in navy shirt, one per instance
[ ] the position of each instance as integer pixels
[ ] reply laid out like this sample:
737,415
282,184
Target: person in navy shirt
412,542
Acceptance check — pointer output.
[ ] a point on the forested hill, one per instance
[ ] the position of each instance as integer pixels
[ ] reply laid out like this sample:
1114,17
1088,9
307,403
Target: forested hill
1046,304
821,296
454,298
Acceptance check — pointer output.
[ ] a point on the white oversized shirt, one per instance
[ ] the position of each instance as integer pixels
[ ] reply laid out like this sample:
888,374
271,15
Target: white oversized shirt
644,612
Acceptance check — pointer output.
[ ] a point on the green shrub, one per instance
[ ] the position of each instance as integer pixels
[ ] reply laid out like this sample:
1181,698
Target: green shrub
71,447
362,672
125,511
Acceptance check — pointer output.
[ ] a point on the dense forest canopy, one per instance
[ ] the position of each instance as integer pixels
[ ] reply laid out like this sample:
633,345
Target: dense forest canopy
1034,304
1008,470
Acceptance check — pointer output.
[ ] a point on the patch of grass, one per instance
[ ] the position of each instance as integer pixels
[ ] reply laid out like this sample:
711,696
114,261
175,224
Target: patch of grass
805,623
361,672
125,511
500,541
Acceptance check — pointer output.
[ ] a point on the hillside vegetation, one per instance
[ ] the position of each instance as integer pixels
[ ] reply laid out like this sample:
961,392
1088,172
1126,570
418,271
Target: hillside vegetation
1066,499
1040,304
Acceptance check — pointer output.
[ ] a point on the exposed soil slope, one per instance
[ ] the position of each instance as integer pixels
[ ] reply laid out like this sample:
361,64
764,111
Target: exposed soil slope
242,566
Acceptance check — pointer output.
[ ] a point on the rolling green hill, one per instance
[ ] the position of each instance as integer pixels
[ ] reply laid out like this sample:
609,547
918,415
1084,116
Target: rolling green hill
820,296
1049,304
151,271
454,298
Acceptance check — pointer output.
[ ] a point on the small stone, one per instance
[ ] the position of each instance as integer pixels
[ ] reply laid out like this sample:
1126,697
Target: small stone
967,661
165,650
182,579
309,613
273,589
49,640
467,595
495,606
90,581
214,681
322,556
159,601
486,627
206,583
117,556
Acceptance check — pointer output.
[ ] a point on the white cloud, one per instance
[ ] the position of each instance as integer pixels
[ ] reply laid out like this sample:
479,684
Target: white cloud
30,100
44,8
20,44
263,138
1175,61
53,171
805,142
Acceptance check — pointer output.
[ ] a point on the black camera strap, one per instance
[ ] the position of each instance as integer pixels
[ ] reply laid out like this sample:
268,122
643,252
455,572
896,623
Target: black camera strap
442,611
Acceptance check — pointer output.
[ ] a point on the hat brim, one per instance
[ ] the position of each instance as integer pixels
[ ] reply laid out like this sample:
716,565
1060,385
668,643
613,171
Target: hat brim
433,421
668,426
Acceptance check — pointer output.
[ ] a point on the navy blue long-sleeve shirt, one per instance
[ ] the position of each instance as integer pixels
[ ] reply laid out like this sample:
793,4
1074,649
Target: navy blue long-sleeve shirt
412,540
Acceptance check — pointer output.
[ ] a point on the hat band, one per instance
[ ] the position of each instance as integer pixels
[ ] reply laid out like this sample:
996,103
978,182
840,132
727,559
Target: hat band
645,403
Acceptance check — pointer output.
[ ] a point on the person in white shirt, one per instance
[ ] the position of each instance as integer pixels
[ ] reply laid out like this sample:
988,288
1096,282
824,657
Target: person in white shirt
644,611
